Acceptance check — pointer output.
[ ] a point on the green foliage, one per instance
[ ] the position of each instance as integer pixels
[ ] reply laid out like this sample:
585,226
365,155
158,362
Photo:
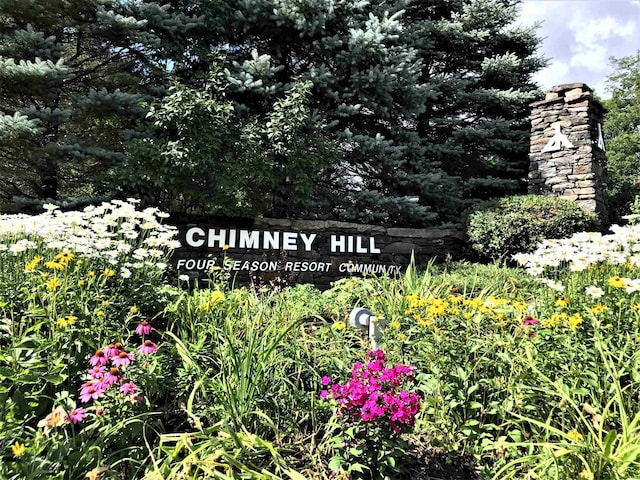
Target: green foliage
394,115
207,156
477,68
73,79
609,445
498,229
307,109
622,133
519,374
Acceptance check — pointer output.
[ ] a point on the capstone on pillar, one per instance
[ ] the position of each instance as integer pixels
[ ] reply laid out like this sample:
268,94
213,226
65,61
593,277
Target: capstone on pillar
567,153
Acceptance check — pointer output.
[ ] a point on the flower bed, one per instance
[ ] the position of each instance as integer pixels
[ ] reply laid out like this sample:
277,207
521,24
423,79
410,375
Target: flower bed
106,371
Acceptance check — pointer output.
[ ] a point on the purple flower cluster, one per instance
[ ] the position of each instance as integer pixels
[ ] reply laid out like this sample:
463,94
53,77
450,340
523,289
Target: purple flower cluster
101,377
375,394
106,369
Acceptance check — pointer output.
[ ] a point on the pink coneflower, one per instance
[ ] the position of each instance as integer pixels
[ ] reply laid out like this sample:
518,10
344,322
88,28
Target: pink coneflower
113,349
99,358
147,347
91,390
111,377
97,372
529,320
76,415
129,388
144,328
123,358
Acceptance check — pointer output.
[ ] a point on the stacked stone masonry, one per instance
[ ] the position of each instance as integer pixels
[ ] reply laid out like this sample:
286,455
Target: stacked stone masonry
573,167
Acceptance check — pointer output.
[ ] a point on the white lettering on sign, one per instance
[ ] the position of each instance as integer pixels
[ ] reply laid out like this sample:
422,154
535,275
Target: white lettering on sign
221,238
351,244
274,266
307,266
191,241
196,264
249,239
374,268
601,138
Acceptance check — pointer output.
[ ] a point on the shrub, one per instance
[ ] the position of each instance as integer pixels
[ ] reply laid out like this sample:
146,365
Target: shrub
503,227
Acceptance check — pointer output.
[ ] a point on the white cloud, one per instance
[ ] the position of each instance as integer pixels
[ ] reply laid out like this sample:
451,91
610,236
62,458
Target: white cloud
551,74
580,36
594,37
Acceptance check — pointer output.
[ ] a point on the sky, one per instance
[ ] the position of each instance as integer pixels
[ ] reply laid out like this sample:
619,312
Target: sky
580,36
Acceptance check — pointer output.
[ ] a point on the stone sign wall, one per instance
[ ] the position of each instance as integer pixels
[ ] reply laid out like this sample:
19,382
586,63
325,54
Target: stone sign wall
304,251
567,153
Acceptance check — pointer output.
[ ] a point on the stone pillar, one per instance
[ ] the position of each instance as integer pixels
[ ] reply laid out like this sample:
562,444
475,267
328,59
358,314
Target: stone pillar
567,154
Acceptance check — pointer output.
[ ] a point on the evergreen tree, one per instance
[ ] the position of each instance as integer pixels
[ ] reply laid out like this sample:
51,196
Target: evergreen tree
622,133
365,92
74,75
477,67
424,106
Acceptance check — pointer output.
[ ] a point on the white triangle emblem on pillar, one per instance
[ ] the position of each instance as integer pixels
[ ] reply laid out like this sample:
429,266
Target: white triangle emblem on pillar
558,141
601,138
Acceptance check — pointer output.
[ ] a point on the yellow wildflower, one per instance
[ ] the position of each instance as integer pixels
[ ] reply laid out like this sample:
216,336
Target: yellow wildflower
474,302
91,273
217,296
554,320
66,321
401,337
574,320
598,308
54,265
108,272
562,302
18,449
455,299
31,266
616,282
99,313
64,257
494,302
636,306
105,303
339,325
225,247
395,324
608,326
424,322
520,306
575,435
80,282
436,307
53,283
133,310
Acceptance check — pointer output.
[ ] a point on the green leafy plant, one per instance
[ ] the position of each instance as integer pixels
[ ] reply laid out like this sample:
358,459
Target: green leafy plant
595,434
501,228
